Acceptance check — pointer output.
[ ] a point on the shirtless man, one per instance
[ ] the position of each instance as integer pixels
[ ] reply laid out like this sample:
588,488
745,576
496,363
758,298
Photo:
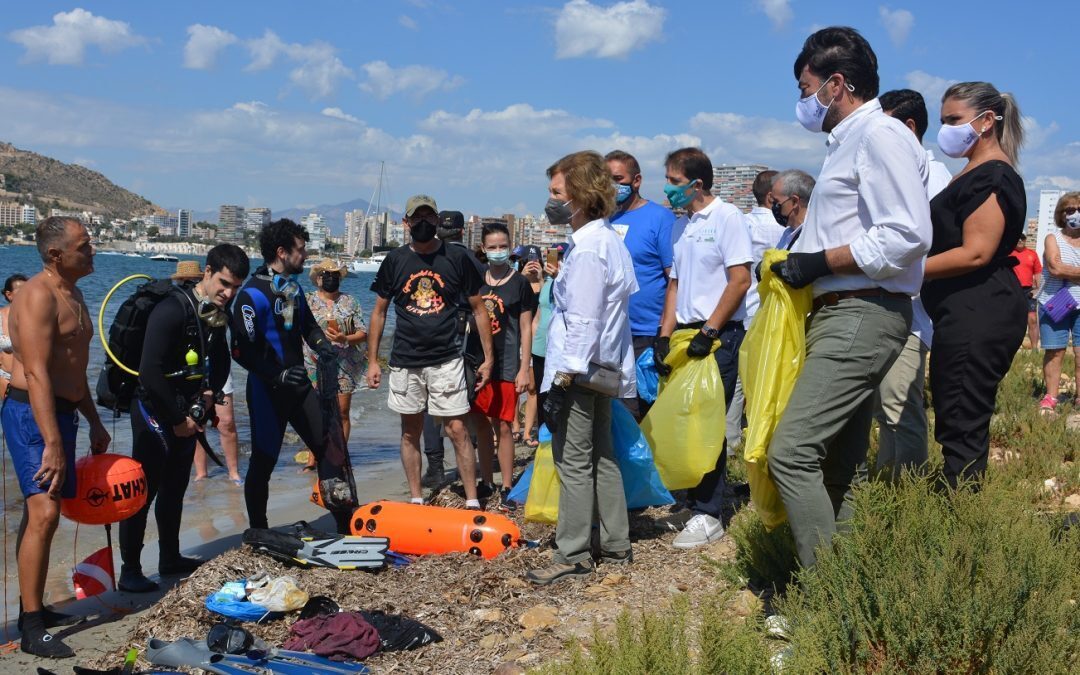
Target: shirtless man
51,331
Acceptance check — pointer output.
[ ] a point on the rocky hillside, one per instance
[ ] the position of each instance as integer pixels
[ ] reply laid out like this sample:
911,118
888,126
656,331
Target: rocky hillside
70,185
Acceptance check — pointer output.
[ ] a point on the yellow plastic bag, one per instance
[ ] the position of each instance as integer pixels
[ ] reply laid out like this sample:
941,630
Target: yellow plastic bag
770,360
542,504
685,427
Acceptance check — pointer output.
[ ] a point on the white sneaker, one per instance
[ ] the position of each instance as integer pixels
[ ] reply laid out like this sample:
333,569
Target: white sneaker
700,530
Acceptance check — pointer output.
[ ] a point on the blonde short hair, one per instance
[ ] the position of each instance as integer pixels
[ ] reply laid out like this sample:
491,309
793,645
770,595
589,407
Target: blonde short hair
1067,199
588,183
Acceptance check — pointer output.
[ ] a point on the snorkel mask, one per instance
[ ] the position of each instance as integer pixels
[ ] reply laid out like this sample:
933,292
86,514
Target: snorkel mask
287,288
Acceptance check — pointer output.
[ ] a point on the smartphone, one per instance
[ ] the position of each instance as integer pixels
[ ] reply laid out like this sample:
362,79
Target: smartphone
333,324
552,257
532,255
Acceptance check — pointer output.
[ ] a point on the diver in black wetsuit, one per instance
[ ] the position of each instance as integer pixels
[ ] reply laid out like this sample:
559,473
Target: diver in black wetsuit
184,364
270,318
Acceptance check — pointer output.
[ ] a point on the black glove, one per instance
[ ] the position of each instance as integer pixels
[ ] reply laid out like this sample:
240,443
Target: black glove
661,348
293,376
757,271
802,269
325,350
700,346
553,405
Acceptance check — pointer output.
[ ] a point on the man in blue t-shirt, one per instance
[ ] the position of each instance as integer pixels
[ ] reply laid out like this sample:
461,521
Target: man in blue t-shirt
645,228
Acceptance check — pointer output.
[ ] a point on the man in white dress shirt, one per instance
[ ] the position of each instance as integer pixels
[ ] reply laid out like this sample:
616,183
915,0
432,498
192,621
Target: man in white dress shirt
903,438
861,247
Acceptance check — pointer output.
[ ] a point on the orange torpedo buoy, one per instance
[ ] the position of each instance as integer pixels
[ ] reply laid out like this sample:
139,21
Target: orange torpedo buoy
108,488
416,529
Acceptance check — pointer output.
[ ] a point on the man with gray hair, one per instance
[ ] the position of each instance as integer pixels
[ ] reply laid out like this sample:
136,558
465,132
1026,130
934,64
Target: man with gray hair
791,191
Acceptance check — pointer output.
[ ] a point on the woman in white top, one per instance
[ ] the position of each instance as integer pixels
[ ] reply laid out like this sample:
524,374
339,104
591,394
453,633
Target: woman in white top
7,357
1062,269
590,361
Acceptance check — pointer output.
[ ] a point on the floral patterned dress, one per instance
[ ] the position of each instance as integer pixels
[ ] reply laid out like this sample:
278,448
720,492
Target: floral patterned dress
352,359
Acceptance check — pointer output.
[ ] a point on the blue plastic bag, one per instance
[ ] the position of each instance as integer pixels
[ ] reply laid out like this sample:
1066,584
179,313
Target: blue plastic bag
230,602
641,482
648,380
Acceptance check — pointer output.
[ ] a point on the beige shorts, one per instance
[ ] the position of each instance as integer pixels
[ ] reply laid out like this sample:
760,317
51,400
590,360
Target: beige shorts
438,389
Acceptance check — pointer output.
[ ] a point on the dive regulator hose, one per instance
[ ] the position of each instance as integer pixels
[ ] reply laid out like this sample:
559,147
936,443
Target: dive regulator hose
101,322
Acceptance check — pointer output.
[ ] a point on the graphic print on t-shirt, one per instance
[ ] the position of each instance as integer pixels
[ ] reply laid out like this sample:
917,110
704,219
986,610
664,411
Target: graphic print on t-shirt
496,310
427,296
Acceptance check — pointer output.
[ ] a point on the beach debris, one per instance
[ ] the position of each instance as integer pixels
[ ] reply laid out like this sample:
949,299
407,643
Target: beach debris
540,616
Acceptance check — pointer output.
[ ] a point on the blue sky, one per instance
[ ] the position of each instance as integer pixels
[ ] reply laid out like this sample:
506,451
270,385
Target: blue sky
284,104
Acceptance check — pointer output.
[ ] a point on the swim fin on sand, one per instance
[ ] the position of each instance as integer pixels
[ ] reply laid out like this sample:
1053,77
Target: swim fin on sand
191,653
307,547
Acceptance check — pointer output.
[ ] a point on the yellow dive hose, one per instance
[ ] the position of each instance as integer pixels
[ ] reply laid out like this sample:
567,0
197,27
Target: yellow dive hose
101,322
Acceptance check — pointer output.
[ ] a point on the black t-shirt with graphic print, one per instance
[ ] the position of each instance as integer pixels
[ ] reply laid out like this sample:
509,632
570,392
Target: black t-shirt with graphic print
505,301
425,290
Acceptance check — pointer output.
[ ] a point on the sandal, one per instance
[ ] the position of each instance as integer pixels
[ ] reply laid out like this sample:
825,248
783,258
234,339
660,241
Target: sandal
518,437
1047,405
532,443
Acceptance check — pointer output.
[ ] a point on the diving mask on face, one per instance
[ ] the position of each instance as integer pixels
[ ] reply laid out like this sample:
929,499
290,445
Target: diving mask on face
212,315
287,288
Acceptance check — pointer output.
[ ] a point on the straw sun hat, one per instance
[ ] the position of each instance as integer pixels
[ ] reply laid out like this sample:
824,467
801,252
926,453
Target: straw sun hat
328,266
188,270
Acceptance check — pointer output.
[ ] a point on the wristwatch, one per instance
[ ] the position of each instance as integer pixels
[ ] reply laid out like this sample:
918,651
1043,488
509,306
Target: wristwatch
562,380
709,332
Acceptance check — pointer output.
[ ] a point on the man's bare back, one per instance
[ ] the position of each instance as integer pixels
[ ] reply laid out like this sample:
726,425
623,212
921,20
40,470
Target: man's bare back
47,311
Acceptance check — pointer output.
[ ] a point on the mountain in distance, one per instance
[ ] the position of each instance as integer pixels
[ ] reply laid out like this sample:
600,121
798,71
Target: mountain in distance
51,183
333,213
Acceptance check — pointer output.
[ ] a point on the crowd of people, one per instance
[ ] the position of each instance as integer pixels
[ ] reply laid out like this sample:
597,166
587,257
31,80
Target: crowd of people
904,261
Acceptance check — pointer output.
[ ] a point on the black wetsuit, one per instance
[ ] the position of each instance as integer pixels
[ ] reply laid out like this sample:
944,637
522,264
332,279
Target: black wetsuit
265,348
162,402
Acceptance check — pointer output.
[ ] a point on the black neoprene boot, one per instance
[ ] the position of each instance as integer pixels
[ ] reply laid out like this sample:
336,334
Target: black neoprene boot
39,642
132,580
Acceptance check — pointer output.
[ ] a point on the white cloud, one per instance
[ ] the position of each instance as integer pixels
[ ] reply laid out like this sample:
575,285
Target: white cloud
898,23
1067,183
204,44
730,138
66,40
408,22
383,80
930,86
318,69
778,11
338,113
1035,134
516,121
585,29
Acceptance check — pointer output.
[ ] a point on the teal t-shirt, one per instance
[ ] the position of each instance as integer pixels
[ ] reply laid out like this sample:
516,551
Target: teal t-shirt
539,345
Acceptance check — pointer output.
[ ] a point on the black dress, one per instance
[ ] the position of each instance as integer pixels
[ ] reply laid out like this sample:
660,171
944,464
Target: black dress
980,318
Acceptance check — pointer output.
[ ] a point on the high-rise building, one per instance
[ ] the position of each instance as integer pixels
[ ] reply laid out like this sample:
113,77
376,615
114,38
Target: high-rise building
230,222
11,214
255,218
183,223
734,182
317,229
29,214
1048,200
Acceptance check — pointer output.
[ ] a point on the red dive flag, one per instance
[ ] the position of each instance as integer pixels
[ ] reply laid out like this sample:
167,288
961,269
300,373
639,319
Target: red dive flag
94,575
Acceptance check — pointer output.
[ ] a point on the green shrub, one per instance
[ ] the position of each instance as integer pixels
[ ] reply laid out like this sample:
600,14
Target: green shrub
763,559
924,582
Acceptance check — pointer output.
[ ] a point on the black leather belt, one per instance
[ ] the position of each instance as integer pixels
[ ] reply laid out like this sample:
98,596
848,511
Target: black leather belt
831,298
62,405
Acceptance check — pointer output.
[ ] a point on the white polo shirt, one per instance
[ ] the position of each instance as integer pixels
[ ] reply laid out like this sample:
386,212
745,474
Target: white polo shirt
706,245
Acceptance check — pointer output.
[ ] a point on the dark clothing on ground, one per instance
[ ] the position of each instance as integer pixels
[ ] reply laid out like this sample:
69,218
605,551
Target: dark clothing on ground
980,318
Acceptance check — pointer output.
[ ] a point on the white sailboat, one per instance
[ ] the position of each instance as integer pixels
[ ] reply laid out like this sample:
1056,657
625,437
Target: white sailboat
373,263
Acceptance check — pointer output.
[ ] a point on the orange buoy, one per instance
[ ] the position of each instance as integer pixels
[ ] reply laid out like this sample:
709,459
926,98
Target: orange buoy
108,489
316,495
418,530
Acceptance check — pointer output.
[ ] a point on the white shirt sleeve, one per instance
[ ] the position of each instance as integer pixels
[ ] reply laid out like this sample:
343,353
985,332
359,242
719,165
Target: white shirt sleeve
586,279
894,193
734,240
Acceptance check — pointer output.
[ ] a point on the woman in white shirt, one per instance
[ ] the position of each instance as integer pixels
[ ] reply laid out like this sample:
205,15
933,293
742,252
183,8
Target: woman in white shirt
590,360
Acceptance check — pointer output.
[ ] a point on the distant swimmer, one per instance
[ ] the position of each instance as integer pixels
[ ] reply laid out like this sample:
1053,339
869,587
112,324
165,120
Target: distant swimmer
51,330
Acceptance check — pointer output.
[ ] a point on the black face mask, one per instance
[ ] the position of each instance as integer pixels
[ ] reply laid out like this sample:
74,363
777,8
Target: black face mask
422,231
781,219
331,282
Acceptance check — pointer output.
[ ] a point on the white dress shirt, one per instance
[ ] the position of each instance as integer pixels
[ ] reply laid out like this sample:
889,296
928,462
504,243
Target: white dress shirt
591,296
871,195
706,245
765,233
921,326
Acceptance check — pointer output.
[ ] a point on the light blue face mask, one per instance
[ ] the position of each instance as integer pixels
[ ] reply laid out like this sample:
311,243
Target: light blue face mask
622,192
679,195
498,257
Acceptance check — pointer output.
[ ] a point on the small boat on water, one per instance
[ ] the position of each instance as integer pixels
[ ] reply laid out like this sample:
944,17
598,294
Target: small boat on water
132,255
367,264
164,257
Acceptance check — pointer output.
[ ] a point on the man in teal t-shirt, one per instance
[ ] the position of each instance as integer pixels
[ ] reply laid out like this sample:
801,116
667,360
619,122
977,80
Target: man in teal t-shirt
645,228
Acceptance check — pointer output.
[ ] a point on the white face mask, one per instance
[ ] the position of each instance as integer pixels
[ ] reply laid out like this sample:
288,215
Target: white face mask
811,112
955,140
1073,221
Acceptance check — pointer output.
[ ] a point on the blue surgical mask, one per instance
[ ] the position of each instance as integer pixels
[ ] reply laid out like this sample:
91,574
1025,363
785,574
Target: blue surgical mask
623,192
679,195
497,257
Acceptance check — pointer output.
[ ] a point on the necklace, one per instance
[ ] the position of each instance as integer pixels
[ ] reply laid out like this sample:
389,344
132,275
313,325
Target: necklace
501,280
77,313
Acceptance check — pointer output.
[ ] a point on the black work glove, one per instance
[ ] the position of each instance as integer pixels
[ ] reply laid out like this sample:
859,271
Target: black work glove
293,376
661,348
802,269
553,405
757,271
700,346
325,350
